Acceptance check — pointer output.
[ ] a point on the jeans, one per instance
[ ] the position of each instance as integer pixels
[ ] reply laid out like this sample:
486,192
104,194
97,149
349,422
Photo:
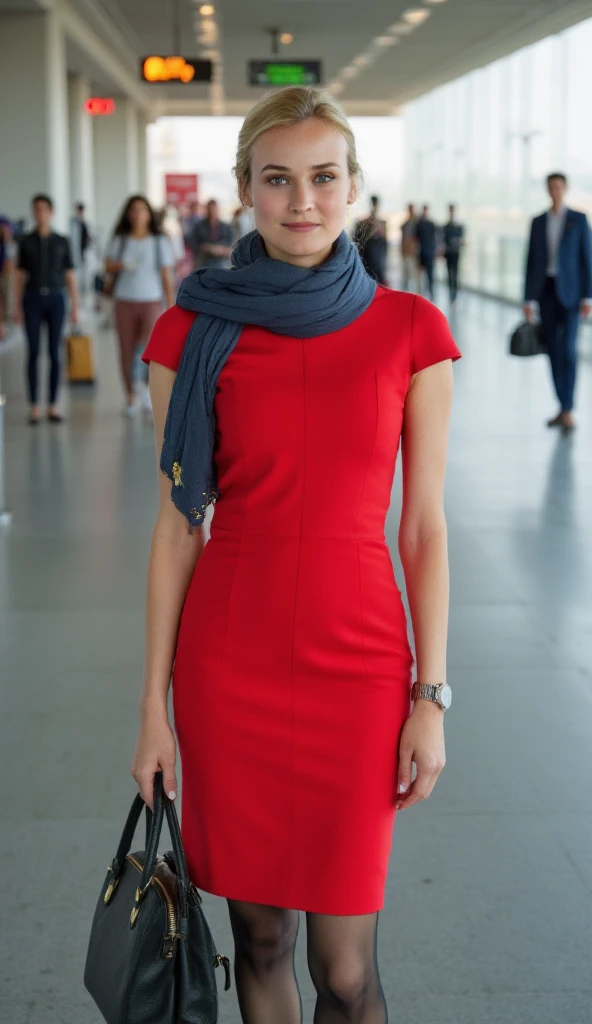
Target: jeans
39,308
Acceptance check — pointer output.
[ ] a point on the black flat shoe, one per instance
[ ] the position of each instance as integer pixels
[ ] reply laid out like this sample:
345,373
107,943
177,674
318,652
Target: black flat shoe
34,421
54,417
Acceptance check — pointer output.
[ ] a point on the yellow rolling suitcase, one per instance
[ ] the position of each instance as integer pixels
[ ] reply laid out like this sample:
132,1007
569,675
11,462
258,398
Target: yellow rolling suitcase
81,368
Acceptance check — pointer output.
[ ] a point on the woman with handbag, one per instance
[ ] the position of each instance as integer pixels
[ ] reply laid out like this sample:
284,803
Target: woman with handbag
139,277
281,389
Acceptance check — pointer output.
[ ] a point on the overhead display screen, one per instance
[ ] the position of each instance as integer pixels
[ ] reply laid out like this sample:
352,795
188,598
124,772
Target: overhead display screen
175,69
285,72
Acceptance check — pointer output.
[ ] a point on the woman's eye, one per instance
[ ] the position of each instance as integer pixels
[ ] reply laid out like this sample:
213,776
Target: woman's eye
322,179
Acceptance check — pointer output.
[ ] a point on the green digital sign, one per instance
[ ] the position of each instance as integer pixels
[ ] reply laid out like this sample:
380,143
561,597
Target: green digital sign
284,72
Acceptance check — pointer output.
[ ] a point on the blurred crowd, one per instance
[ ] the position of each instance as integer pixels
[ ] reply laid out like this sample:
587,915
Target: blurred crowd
135,275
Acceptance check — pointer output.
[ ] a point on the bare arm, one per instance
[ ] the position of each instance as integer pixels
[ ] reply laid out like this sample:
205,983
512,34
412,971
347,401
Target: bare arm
423,548
19,285
167,284
173,557
72,287
114,266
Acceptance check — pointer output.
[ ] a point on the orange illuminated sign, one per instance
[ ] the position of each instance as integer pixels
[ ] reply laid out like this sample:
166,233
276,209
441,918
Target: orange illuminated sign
99,105
175,69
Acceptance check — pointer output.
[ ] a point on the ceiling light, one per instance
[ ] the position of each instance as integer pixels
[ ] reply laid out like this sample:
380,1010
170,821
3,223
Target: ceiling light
385,40
435,1
207,10
415,16
286,38
349,72
363,60
336,87
400,28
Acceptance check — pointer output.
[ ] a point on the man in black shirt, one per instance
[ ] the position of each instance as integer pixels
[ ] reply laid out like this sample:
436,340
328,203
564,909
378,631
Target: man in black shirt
44,270
453,233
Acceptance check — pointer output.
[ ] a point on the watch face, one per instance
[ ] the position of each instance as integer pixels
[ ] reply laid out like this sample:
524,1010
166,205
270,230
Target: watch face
446,696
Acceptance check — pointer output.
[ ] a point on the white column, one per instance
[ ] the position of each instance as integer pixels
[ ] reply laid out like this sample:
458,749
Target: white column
142,152
33,113
116,163
82,176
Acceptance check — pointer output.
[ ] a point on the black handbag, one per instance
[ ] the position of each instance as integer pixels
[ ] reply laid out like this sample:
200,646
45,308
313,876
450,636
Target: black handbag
151,956
527,340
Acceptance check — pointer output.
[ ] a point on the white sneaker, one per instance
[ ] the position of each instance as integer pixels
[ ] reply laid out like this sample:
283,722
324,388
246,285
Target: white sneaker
130,410
145,400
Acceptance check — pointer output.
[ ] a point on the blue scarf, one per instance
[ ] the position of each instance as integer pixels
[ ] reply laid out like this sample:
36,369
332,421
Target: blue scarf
289,300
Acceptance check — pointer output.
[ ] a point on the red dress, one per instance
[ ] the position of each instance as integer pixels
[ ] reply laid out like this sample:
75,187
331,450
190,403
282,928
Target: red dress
293,667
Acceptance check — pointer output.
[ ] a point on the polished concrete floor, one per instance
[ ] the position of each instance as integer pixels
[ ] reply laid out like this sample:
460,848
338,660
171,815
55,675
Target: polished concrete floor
488,916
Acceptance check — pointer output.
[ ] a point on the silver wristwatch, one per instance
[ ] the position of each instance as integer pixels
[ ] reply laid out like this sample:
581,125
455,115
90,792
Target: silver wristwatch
440,693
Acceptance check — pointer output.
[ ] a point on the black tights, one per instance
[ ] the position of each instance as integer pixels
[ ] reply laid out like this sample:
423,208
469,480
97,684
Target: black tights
341,958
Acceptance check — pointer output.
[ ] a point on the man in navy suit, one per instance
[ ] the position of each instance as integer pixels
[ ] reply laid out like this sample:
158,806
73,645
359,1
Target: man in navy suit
427,238
559,279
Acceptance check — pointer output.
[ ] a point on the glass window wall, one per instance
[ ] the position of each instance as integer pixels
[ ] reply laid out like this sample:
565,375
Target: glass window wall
487,141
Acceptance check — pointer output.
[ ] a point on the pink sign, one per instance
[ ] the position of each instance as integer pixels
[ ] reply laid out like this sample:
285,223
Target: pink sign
180,189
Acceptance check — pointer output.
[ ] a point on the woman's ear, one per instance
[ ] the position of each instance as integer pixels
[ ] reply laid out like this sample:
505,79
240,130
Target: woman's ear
352,194
245,196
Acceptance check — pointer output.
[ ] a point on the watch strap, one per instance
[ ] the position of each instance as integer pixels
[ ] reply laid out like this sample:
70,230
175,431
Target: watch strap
426,691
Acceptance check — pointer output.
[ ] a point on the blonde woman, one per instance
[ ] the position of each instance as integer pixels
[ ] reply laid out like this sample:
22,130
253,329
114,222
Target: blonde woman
286,384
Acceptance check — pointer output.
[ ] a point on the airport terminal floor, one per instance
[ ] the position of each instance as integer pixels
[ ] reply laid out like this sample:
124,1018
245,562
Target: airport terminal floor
488,915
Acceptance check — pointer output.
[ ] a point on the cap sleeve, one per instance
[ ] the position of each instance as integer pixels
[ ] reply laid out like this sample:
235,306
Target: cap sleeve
167,340
431,337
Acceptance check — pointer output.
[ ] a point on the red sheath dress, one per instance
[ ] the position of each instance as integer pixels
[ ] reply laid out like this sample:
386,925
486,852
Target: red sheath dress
293,667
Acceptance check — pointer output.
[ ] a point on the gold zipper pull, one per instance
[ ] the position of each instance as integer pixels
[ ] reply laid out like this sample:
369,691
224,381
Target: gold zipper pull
226,964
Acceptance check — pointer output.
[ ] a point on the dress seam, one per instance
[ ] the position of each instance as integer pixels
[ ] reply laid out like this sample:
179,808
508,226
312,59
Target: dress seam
237,558
371,453
362,635
296,578
267,537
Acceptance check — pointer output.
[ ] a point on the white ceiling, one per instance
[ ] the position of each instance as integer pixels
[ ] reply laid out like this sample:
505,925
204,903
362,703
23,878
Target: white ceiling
458,36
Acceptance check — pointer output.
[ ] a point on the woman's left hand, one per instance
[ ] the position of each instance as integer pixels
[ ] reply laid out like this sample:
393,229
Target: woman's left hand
422,741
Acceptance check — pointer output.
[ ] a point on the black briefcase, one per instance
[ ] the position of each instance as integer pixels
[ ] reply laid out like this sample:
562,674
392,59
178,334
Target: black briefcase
527,340
151,956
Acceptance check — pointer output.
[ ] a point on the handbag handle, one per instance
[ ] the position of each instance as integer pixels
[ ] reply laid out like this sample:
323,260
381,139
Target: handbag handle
153,830
154,820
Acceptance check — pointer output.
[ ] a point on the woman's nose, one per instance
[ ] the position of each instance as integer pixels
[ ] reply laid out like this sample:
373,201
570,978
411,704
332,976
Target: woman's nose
301,199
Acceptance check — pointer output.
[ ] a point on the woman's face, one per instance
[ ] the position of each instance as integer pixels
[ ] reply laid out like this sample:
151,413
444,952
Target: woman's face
139,215
299,190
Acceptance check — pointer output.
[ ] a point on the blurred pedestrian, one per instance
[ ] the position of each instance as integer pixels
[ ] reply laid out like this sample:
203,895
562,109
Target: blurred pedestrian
188,222
8,249
559,282
409,251
80,241
211,239
454,239
427,239
45,270
370,238
140,258
242,222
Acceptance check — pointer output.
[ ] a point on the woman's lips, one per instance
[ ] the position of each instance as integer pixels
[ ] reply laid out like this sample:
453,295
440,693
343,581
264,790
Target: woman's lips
301,227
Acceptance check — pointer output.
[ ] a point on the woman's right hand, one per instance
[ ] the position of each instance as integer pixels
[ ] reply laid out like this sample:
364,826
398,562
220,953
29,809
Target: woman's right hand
156,750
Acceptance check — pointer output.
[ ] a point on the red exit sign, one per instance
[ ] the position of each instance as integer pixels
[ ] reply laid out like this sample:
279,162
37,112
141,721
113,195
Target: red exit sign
99,106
